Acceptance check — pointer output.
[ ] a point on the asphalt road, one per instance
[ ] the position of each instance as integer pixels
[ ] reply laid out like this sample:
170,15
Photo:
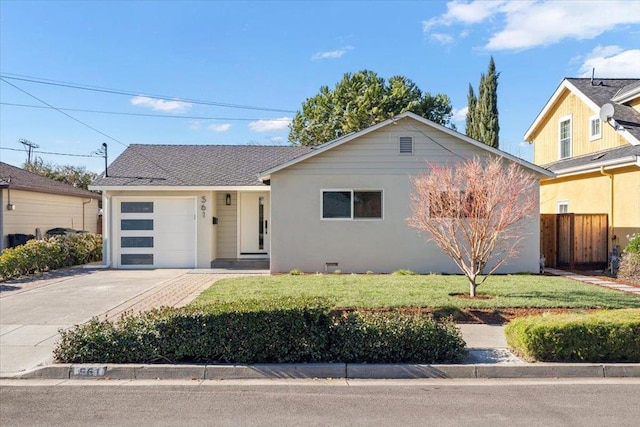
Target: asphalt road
602,402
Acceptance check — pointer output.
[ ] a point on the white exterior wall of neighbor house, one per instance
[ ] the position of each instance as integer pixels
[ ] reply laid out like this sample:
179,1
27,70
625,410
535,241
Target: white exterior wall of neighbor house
46,211
204,228
301,239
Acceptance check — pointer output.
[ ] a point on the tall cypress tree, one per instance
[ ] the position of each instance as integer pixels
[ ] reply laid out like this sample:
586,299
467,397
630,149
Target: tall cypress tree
472,102
482,121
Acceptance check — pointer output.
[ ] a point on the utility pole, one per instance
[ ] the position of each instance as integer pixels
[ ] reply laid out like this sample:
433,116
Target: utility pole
29,146
103,152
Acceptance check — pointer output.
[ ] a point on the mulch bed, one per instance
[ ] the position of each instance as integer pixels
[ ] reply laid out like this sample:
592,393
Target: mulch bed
487,316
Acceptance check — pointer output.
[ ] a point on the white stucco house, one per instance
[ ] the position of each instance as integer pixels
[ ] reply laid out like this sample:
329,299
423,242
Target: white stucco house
341,205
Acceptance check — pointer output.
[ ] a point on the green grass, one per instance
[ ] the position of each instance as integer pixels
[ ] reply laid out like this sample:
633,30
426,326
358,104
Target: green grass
392,291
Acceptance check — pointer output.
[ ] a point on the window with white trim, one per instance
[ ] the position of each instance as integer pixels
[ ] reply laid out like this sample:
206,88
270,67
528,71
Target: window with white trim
406,145
564,137
563,207
595,128
351,204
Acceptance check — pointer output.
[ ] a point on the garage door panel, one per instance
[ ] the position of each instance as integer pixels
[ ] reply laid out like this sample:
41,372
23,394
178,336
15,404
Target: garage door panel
169,243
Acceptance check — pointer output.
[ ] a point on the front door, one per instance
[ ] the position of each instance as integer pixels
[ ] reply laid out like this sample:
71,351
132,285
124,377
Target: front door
254,224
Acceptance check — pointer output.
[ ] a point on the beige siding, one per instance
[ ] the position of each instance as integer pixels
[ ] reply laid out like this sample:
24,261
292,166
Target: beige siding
227,228
45,211
635,104
301,239
546,136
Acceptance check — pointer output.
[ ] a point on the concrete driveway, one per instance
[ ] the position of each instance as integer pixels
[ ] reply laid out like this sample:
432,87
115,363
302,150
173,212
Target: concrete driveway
32,310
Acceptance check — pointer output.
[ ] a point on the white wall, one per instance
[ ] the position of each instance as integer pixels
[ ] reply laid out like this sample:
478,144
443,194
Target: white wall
204,223
302,240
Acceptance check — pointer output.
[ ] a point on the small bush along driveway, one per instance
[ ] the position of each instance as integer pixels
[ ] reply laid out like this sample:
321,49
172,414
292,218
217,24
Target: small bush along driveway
423,291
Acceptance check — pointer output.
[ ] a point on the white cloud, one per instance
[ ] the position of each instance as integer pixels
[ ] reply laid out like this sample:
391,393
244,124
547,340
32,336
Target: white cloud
270,125
220,128
443,38
332,54
277,139
612,62
195,124
459,115
527,24
161,104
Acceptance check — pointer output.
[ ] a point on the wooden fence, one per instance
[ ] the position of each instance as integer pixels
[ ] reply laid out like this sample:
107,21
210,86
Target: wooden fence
569,240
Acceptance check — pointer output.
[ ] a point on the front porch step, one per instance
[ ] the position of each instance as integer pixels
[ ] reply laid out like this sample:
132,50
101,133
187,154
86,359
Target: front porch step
240,264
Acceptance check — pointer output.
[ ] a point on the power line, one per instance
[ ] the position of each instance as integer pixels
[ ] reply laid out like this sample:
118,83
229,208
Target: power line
92,128
50,152
164,116
131,93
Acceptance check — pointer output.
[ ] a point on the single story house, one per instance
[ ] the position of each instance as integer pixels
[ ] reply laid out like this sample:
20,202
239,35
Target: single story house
341,205
31,203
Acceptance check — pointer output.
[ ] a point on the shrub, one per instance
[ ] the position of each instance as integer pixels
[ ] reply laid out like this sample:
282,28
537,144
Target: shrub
630,267
606,336
395,338
296,272
633,247
403,273
246,332
38,256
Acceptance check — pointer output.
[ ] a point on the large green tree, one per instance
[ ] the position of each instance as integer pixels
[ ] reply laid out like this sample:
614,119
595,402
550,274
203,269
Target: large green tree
77,176
482,115
360,100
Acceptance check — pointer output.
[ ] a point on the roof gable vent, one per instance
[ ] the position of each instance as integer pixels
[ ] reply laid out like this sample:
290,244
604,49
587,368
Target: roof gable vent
406,145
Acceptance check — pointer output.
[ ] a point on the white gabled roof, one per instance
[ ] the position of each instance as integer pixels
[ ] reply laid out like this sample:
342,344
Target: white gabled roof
344,139
566,84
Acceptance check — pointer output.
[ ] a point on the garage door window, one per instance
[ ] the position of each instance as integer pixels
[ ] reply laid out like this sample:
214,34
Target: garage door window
136,242
136,224
136,259
136,207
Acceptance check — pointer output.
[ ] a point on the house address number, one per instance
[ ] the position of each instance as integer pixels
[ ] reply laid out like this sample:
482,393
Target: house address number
203,206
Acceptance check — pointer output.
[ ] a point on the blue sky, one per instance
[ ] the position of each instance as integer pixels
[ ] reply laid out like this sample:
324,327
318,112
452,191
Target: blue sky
274,55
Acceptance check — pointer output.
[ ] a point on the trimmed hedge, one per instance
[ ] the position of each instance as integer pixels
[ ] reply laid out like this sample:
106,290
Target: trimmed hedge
605,336
249,334
37,256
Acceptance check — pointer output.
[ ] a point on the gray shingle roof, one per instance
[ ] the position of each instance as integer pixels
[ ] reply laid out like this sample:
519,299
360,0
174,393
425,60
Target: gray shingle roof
594,159
195,165
20,179
603,90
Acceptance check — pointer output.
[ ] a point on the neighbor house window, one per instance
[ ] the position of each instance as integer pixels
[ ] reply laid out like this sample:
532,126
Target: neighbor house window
563,207
595,129
564,137
457,204
406,145
352,204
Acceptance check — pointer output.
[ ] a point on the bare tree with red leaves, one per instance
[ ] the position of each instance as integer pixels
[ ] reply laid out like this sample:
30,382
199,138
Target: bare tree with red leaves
475,212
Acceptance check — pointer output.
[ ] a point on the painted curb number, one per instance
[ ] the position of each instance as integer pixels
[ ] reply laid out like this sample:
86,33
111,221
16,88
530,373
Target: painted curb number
90,371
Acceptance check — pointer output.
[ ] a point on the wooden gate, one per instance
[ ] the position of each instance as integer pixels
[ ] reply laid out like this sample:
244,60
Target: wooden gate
574,239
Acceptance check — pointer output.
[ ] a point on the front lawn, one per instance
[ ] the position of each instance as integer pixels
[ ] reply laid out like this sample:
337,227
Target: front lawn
428,291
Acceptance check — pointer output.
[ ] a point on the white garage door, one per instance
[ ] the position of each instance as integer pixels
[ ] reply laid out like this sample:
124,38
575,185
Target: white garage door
156,233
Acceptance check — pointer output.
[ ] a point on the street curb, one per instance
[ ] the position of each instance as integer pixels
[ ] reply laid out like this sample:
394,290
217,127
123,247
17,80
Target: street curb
328,370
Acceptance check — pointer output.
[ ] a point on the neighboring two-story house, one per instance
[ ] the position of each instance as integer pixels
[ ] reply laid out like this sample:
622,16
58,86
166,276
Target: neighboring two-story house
588,134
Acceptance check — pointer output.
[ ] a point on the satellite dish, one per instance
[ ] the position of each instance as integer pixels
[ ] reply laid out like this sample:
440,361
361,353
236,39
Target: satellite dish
606,112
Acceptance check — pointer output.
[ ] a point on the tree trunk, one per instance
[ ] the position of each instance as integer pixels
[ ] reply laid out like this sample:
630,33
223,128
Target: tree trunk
472,288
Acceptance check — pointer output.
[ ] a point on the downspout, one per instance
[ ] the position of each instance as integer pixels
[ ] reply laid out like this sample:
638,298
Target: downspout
83,205
610,175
